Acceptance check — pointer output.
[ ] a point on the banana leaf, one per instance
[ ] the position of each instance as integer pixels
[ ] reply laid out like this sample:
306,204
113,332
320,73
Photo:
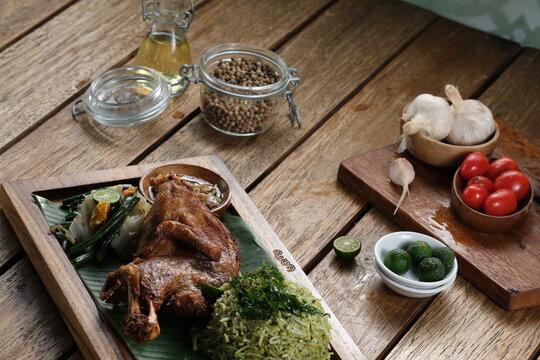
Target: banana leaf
174,341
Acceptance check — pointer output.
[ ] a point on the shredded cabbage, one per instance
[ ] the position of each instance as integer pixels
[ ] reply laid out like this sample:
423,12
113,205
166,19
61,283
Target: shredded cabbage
284,336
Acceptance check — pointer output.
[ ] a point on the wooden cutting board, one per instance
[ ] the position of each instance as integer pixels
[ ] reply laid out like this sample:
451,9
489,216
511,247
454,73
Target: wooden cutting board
505,266
93,335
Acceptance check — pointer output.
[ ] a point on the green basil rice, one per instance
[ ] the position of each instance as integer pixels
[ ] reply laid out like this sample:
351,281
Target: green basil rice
284,336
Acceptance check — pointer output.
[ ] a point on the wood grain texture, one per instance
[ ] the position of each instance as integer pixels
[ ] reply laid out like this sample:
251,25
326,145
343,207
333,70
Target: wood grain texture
21,16
514,96
374,315
486,260
304,185
91,332
107,32
24,297
374,29
462,323
86,145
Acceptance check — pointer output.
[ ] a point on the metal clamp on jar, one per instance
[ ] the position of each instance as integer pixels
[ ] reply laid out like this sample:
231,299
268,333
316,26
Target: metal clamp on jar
241,86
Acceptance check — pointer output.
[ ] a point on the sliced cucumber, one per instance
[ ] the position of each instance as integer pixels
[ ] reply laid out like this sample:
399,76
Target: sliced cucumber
106,195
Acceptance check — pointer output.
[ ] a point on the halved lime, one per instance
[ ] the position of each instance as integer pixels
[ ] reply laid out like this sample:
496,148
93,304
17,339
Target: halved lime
347,247
106,195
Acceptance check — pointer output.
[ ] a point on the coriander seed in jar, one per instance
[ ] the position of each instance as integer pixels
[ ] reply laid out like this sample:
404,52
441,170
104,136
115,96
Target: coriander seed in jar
242,88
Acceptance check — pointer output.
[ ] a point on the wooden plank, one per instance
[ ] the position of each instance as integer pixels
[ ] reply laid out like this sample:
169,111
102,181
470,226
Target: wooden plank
514,96
51,64
374,29
462,323
24,297
375,316
94,337
87,145
21,16
486,260
368,121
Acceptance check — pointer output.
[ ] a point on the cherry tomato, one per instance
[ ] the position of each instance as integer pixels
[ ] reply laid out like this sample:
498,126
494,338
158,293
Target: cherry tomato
475,196
502,164
501,202
475,164
513,180
482,181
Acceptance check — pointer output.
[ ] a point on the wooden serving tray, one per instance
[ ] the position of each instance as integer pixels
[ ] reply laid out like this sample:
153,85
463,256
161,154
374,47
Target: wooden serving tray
94,336
505,266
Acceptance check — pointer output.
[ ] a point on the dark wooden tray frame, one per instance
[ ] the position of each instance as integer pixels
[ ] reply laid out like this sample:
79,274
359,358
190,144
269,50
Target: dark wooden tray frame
93,335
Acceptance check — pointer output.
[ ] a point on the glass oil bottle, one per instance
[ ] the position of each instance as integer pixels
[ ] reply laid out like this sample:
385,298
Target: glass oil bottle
165,48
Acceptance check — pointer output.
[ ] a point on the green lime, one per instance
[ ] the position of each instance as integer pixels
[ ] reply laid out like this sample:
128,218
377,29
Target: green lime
397,261
210,292
447,256
431,269
347,247
106,195
419,250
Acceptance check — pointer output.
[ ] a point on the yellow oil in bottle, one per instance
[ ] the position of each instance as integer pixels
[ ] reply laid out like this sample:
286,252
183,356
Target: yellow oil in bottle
165,52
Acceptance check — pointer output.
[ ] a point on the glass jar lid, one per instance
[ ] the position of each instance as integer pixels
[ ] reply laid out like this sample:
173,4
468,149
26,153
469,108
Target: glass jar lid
125,96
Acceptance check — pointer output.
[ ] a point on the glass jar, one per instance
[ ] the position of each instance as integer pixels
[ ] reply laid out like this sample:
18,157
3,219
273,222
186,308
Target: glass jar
125,96
165,47
241,87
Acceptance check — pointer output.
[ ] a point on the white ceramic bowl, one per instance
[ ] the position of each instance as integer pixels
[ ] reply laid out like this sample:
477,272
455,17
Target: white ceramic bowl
410,291
400,240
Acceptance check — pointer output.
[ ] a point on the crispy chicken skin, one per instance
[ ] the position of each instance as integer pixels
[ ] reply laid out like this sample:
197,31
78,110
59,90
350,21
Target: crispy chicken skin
182,246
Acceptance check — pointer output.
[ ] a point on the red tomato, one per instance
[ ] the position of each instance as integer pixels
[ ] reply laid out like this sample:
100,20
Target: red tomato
501,202
475,196
513,180
474,164
482,181
502,164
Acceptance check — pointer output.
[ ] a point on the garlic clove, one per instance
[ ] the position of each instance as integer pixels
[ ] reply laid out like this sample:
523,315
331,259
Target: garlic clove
401,173
473,121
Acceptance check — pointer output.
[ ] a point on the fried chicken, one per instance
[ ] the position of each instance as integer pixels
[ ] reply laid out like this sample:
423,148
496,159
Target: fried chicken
182,246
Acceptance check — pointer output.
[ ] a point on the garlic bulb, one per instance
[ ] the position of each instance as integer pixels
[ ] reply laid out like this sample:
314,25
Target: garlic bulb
428,114
473,121
401,173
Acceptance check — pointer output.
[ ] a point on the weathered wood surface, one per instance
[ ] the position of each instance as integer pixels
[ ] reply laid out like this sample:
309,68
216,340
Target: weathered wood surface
88,145
22,16
514,96
25,297
462,323
488,261
369,33
79,147
304,185
42,70
93,335
374,315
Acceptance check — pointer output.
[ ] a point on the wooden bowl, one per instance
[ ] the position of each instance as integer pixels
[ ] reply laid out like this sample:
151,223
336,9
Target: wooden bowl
482,222
441,154
191,170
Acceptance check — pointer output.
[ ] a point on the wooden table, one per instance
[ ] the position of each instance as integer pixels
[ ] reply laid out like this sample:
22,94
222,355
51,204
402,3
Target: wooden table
360,62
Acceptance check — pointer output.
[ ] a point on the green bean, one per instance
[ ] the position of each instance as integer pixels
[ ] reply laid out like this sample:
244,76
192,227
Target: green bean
82,259
74,200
